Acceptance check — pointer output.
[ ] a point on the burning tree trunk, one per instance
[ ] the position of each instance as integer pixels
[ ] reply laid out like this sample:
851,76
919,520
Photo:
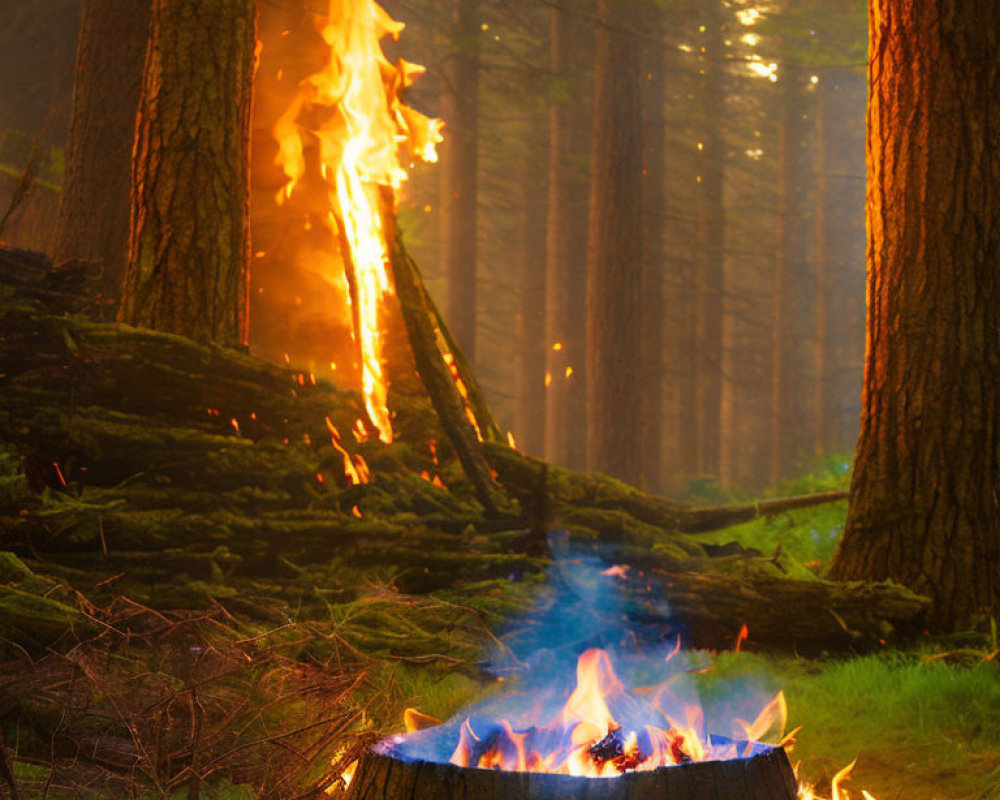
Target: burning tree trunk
614,267
460,173
94,212
923,505
189,248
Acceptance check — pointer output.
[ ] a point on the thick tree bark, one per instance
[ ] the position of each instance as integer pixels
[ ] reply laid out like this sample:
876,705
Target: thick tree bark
840,257
189,247
614,266
654,210
923,507
566,248
94,212
530,410
711,247
460,155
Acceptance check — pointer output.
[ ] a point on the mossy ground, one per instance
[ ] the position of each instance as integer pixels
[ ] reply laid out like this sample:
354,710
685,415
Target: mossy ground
305,630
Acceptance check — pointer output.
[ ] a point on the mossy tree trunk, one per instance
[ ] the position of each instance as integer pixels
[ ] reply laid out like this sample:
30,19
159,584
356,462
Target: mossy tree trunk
923,508
189,247
614,266
94,212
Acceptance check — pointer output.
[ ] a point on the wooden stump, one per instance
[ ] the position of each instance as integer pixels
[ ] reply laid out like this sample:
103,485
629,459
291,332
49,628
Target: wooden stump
763,777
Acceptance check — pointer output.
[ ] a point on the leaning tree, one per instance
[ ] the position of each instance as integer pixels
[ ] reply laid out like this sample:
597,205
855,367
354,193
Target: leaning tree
925,498
189,244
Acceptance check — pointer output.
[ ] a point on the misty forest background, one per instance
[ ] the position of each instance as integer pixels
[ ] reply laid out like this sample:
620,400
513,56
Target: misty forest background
209,605
752,333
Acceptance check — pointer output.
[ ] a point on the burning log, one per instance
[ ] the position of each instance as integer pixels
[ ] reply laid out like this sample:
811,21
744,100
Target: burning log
767,776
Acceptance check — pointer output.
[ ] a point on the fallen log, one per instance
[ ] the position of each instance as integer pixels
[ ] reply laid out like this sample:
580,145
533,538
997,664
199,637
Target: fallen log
782,613
521,475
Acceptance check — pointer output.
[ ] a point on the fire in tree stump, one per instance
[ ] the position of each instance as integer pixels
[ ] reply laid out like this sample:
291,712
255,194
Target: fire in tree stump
767,776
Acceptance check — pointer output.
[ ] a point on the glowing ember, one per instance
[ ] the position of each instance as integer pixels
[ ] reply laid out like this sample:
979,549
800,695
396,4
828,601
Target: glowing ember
362,125
586,738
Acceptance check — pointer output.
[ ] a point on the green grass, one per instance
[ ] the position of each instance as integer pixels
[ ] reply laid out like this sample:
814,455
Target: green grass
808,536
921,729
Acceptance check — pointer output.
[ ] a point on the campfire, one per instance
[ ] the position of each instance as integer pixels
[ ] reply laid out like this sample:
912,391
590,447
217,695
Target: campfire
644,734
587,739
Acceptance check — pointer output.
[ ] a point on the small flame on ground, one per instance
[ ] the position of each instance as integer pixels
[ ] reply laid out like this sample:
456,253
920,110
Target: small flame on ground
741,637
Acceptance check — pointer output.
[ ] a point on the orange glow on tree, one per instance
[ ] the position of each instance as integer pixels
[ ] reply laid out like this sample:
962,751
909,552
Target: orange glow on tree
359,141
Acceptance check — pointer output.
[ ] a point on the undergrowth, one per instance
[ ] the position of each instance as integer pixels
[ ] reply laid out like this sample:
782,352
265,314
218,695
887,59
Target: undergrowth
807,536
921,725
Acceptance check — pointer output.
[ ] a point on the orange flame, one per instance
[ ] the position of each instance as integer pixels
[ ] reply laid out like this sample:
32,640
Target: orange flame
585,738
359,160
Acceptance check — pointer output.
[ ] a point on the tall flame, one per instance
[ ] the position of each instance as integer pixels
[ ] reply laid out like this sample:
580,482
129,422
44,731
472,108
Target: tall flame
360,126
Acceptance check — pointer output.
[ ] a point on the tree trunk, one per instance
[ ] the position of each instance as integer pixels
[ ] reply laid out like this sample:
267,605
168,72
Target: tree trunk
614,267
460,173
786,410
530,411
840,256
923,507
94,213
654,211
763,776
566,249
189,247
711,246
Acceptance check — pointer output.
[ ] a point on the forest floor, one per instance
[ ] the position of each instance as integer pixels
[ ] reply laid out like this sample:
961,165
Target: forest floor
198,601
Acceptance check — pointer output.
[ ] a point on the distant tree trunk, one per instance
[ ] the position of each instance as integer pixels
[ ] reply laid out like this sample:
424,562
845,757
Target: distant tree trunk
711,246
840,256
460,172
923,508
189,248
94,212
530,411
614,273
654,210
566,248
786,341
